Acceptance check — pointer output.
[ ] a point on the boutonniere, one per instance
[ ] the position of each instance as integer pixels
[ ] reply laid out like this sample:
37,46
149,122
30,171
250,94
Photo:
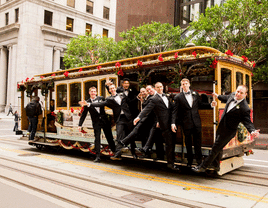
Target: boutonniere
237,107
130,89
194,93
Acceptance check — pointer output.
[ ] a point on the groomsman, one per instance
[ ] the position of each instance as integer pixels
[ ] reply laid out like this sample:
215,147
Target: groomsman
162,109
186,106
122,116
235,111
99,121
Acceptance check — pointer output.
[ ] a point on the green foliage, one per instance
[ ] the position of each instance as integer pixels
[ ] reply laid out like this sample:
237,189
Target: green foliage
85,50
240,26
149,38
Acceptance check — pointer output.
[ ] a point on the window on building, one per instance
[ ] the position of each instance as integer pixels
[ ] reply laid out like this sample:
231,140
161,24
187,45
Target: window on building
105,33
89,7
16,15
106,13
71,3
48,17
62,66
7,18
88,28
69,24
188,11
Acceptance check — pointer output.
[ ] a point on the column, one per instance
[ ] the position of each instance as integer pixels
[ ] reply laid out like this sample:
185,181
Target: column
56,58
12,94
3,72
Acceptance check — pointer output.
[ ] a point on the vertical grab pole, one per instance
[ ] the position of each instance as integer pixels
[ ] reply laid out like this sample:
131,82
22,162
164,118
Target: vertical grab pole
214,113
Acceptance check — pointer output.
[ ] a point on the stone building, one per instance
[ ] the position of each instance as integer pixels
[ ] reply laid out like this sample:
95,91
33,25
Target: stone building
34,35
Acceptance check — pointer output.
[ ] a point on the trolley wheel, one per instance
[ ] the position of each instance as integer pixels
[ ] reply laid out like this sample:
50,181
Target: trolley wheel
39,146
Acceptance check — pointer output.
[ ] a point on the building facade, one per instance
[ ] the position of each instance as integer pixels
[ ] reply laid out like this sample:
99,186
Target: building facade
34,35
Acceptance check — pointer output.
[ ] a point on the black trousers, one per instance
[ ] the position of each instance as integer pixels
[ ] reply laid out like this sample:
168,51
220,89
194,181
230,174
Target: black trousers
217,149
194,135
123,128
32,127
169,138
108,134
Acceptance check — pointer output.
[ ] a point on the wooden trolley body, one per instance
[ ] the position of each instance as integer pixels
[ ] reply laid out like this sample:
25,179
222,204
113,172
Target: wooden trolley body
196,63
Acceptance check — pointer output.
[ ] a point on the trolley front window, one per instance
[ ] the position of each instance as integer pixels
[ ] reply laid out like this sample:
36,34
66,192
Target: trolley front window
88,85
75,94
226,84
62,95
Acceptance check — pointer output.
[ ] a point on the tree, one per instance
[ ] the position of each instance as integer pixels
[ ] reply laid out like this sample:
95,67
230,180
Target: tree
86,50
240,26
151,38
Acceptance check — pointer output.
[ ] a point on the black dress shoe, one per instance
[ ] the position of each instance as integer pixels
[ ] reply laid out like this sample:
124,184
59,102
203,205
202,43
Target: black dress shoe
199,169
97,160
117,155
215,168
172,167
134,156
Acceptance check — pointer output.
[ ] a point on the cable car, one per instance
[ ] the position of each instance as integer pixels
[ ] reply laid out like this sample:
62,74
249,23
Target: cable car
208,69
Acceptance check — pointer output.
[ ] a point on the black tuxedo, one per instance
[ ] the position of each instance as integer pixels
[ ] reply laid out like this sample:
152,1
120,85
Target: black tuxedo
131,99
143,127
189,118
99,121
228,126
163,115
123,121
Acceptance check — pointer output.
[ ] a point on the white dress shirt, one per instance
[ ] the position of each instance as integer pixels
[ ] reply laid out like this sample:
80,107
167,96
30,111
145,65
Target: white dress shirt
164,98
95,101
189,98
233,104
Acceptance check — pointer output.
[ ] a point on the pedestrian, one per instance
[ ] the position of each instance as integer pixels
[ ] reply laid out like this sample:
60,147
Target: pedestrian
10,109
162,108
99,121
16,119
235,111
185,112
33,110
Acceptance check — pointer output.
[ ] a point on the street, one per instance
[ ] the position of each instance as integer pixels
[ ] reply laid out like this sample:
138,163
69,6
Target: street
33,178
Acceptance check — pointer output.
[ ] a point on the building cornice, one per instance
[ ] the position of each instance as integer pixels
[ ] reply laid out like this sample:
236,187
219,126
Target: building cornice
56,32
9,28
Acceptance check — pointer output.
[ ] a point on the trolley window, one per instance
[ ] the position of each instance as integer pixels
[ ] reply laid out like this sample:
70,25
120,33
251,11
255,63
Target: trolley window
103,92
75,94
226,86
62,95
88,85
249,91
239,79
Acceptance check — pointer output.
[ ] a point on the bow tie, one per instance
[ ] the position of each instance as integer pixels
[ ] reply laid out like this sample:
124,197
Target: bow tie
187,93
94,100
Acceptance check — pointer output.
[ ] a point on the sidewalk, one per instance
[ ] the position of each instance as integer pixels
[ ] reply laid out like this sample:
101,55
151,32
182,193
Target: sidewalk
4,116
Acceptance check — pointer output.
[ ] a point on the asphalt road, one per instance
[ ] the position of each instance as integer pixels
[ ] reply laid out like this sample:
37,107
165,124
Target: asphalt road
245,187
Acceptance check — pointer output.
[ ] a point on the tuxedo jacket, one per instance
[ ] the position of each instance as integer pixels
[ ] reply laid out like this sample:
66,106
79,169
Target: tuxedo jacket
163,114
150,118
96,117
111,103
131,99
229,121
185,115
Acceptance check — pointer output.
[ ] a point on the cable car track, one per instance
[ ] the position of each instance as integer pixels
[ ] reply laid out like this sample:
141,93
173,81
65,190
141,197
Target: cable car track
84,190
